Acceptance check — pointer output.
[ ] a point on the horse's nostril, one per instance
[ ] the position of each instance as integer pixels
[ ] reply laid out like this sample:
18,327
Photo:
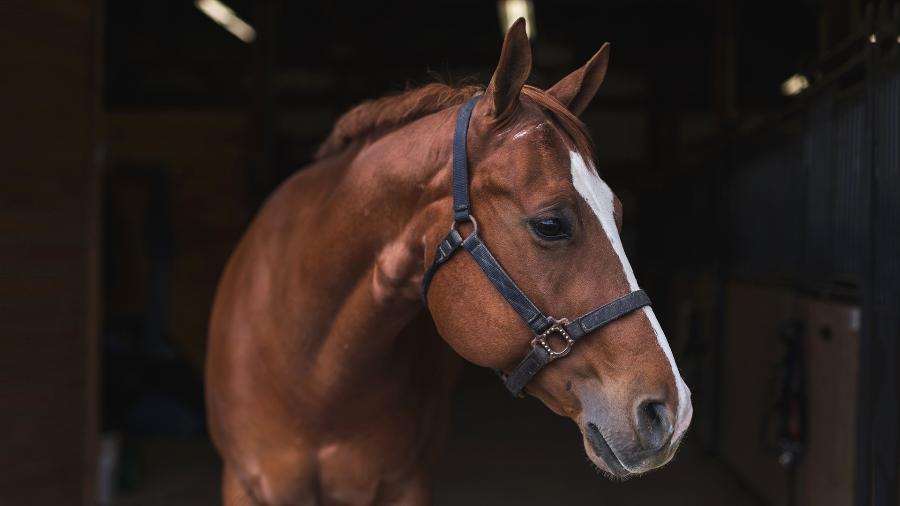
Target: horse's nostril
653,424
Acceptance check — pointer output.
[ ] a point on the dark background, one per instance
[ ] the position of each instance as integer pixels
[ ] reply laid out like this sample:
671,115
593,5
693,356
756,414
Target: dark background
139,138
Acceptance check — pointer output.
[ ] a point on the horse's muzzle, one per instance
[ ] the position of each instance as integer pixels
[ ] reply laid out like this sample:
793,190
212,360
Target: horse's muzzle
645,445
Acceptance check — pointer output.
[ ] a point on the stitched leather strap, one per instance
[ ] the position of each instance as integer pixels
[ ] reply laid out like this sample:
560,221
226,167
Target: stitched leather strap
585,324
445,250
537,359
460,173
530,314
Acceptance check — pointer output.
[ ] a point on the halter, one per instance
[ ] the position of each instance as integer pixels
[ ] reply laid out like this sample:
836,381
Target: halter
543,327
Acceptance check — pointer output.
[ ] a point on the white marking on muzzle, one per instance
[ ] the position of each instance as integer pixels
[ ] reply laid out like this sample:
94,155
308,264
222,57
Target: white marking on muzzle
601,200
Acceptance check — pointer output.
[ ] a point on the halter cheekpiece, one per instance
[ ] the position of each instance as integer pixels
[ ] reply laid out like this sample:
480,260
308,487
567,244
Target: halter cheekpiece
543,351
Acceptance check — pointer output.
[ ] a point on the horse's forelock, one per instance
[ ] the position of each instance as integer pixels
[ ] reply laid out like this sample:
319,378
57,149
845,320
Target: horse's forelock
573,127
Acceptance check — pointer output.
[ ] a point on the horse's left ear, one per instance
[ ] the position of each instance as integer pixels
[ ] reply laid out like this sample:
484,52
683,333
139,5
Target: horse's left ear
577,89
502,93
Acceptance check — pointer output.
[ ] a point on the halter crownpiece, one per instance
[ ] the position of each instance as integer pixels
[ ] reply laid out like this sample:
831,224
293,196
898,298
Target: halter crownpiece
543,350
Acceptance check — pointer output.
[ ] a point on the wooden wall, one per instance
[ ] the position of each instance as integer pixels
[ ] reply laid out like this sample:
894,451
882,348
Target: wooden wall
199,156
49,247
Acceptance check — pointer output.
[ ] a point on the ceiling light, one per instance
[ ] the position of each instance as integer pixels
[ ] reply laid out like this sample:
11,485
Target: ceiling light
225,17
511,10
794,85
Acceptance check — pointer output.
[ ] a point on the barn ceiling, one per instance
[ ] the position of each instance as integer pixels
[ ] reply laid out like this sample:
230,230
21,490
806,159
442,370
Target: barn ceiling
170,54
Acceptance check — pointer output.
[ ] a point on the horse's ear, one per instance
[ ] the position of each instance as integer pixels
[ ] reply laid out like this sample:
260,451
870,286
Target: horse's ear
577,89
502,93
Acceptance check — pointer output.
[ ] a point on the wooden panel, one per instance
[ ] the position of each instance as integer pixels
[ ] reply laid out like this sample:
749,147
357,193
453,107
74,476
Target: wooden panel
48,251
832,346
751,350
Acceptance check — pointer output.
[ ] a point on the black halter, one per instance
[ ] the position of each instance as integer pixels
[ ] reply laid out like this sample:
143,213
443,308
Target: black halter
542,353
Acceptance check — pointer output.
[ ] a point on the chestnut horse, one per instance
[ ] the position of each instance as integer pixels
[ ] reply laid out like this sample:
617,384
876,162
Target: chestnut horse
326,381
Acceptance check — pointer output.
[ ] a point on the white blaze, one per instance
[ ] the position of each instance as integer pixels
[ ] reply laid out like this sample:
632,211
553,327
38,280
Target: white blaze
600,198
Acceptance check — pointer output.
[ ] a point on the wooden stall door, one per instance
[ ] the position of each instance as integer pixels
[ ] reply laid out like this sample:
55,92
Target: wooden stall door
752,353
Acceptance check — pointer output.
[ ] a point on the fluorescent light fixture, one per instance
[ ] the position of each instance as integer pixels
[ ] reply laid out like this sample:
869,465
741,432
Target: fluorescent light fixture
872,38
511,10
794,85
227,19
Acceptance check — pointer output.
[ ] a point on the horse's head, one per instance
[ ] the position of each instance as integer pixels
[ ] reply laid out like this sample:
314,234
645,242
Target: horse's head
554,226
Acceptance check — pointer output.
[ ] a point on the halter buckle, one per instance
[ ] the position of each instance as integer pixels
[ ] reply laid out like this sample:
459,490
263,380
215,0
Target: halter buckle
558,327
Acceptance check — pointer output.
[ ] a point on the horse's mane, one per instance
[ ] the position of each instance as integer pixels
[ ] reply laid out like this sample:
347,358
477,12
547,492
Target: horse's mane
374,118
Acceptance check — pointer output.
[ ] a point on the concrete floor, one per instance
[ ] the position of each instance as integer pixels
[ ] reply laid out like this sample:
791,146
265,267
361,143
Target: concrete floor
501,451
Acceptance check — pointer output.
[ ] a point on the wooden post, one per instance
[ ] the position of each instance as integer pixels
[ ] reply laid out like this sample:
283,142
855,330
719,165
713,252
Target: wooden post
49,256
725,63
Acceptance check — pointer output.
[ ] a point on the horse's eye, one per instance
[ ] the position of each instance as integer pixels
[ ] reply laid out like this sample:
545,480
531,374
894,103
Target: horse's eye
550,229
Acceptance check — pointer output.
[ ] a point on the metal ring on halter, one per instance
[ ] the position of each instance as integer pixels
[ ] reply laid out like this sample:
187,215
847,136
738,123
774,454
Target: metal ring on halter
455,225
558,327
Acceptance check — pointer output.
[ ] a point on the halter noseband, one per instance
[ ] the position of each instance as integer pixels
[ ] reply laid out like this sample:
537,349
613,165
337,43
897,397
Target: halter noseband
543,327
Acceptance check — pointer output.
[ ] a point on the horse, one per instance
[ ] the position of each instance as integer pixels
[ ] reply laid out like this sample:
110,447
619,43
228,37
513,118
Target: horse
328,378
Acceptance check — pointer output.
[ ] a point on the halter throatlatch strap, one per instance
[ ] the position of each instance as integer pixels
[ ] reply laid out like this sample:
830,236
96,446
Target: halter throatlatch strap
543,350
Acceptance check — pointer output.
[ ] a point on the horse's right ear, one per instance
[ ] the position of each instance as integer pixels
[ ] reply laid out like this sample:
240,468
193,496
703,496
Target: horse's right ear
502,94
577,89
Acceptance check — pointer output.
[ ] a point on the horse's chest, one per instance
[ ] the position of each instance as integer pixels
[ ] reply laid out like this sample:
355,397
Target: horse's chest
365,472
348,475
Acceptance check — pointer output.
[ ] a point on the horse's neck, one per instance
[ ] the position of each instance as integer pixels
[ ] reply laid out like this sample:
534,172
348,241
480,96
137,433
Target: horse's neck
393,186
371,249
